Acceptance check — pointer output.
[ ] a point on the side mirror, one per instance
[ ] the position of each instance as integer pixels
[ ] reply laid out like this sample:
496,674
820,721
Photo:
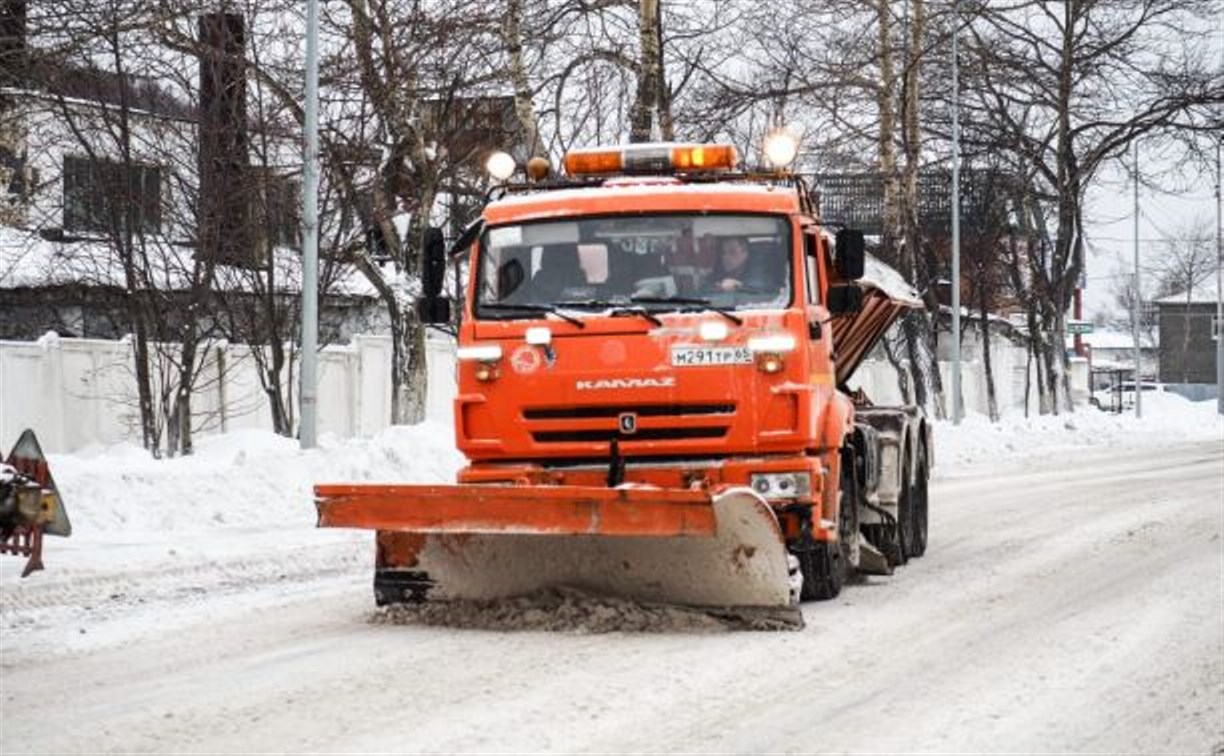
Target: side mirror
432,307
851,254
433,311
433,266
845,299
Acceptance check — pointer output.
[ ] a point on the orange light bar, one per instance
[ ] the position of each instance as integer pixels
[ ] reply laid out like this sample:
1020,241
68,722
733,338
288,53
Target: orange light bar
593,162
651,158
704,157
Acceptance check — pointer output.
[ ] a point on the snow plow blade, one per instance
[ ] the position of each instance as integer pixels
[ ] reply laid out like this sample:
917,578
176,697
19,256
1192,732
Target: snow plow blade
690,548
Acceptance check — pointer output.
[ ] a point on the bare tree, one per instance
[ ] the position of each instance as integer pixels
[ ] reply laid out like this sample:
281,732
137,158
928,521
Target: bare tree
414,67
129,192
1066,87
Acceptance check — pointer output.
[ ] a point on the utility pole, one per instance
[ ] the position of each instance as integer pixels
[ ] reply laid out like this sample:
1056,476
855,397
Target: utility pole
1219,323
310,234
956,309
1137,299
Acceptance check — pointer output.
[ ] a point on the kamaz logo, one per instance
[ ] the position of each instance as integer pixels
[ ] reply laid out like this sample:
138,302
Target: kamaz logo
626,383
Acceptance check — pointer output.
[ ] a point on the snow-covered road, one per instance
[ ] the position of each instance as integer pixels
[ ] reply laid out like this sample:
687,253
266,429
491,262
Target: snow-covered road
1072,604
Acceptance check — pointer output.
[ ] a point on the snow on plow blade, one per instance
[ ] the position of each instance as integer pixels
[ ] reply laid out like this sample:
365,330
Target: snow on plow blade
687,548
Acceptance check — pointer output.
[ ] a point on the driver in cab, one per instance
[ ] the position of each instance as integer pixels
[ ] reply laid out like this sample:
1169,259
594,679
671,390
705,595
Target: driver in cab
731,270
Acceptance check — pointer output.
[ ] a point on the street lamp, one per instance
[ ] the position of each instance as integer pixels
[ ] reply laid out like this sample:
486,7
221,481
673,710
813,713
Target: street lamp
956,310
1137,299
310,235
1219,323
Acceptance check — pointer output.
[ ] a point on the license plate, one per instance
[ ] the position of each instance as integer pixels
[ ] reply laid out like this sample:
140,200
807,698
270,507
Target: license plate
703,356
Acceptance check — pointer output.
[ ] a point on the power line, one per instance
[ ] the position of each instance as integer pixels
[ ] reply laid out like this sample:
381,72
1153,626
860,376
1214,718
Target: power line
1150,239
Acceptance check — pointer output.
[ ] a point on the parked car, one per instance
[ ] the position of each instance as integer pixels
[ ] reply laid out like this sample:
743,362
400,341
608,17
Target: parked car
1122,396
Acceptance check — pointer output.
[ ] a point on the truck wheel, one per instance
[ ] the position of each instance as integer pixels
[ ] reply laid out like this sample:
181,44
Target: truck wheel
918,498
825,565
824,571
905,513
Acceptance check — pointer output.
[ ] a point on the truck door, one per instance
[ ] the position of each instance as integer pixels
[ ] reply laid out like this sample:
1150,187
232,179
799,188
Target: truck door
815,313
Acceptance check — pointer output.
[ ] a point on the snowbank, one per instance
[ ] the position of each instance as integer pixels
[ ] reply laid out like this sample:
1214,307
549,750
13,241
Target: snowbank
241,506
977,442
246,478
244,499
256,479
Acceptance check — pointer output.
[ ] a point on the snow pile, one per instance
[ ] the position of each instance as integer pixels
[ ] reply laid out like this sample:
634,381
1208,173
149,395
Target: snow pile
574,611
244,478
256,479
1167,418
241,509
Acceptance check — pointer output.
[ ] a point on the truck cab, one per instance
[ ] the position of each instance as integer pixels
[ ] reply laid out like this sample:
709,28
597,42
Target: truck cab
653,355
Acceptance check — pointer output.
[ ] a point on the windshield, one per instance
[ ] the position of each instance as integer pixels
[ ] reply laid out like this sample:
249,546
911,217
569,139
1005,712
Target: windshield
656,262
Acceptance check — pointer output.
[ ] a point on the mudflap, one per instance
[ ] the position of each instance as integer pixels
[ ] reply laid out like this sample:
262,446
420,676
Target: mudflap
737,566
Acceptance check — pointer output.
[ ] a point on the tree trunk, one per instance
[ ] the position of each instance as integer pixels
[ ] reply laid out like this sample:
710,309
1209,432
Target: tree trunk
887,150
1054,353
182,405
992,402
921,359
667,125
643,118
124,223
274,384
903,376
512,36
902,234
1028,376
408,368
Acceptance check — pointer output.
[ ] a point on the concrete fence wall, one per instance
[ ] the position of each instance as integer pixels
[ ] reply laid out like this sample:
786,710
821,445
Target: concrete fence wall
1012,374
78,392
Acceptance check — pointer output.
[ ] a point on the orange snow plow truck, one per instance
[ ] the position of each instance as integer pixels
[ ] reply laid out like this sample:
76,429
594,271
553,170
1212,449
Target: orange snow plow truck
652,361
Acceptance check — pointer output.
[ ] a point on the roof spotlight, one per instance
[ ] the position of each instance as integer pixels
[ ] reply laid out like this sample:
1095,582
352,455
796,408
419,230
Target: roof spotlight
500,166
781,147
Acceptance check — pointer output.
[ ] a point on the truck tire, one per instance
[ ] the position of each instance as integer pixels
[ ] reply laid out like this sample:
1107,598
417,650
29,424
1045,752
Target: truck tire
824,571
918,498
905,512
825,565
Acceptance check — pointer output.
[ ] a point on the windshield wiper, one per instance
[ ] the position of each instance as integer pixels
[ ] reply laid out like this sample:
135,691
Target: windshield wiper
693,301
616,308
542,308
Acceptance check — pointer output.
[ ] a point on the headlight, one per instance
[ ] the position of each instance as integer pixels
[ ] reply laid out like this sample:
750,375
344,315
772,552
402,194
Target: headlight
778,343
479,353
781,147
500,165
782,485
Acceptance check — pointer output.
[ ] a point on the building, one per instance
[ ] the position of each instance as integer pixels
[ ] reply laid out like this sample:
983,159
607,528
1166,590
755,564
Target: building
178,206
1188,332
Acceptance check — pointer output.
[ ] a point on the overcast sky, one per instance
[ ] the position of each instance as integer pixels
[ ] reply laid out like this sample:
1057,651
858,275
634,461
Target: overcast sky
1169,206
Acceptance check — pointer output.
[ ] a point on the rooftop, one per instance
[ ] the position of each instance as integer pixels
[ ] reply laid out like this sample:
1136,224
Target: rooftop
628,194
1205,292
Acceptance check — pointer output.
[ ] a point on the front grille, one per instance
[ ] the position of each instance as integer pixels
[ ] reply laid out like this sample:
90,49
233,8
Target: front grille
644,410
645,434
